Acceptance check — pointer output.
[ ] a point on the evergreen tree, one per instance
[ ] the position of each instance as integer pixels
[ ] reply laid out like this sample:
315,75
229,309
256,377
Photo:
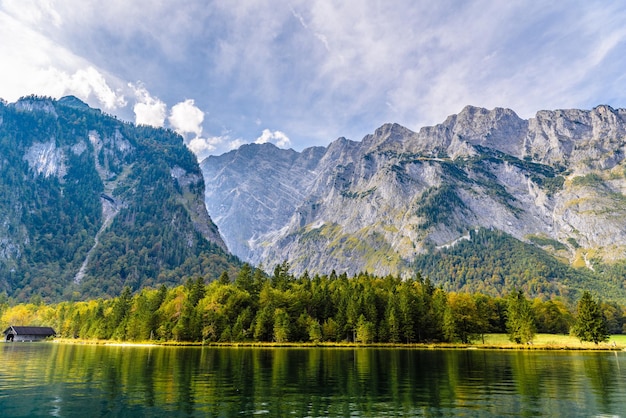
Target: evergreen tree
487,314
449,325
224,279
364,330
330,330
436,313
407,300
197,290
263,327
119,314
281,277
463,314
391,325
281,326
315,330
614,315
590,323
244,279
520,320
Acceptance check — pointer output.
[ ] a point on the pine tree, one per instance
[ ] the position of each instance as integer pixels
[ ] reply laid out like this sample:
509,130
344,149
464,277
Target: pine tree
244,278
407,309
224,279
391,324
197,290
520,322
364,330
463,313
590,323
120,312
281,326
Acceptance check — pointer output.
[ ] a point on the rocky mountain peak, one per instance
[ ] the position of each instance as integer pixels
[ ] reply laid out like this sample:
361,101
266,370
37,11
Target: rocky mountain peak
499,128
341,148
581,139
390,136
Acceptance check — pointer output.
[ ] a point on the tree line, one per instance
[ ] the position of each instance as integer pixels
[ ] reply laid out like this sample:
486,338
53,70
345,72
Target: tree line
284,308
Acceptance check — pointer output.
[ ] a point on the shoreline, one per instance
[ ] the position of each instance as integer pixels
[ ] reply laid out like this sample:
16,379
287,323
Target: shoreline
544,343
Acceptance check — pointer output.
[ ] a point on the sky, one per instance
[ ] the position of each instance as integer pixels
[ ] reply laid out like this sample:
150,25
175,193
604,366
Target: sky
301,73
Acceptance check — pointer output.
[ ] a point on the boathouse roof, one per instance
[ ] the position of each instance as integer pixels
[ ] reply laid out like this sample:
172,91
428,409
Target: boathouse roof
17,330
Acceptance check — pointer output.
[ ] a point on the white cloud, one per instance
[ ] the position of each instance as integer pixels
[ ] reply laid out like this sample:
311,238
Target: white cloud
186,117
33,11
33,64
88,82
148,110
234,144
277,137
298,65
203,147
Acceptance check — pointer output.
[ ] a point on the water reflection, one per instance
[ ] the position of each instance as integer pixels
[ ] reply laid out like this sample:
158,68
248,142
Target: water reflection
68,380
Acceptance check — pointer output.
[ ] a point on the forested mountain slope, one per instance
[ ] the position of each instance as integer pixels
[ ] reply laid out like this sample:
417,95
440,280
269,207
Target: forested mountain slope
90,204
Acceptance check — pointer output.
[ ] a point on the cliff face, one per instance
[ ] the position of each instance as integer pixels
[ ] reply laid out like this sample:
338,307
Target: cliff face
90,204
557,180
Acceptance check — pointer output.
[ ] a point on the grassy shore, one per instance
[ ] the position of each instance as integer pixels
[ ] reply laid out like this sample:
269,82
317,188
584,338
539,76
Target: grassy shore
553,342
491,341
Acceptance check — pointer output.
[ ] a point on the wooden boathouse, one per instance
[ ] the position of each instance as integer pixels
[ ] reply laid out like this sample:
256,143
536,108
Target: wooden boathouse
22,334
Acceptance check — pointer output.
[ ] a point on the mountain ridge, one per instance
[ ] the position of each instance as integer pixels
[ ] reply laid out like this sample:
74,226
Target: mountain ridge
375,205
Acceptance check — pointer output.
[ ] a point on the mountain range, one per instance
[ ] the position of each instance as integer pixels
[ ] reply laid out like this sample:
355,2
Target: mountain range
485,201
555,183
90,204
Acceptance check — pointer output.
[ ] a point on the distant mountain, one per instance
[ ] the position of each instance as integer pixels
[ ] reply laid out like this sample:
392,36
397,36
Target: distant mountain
555,182
89,204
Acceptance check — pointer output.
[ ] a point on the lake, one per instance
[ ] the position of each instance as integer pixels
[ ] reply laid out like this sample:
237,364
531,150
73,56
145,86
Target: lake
65,380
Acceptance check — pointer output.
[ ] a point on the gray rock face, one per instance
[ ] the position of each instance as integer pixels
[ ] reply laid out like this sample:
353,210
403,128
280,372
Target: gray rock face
558,178
275,184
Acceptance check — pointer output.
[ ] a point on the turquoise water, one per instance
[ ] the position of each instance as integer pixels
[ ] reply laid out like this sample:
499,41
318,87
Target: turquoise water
51,379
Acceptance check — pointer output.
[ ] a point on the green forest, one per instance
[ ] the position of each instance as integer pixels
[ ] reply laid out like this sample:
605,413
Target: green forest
281,308
493,262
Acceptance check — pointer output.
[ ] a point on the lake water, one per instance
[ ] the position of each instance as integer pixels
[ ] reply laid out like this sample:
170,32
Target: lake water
65,380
